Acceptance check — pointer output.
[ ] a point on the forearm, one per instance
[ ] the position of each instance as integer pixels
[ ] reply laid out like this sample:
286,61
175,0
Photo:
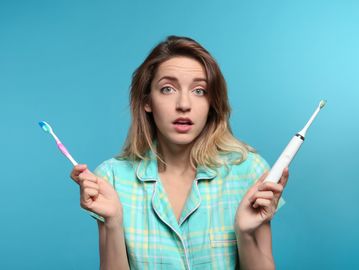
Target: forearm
112,247
255,249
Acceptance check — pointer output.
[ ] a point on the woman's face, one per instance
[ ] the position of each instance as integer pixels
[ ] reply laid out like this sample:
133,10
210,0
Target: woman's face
179,100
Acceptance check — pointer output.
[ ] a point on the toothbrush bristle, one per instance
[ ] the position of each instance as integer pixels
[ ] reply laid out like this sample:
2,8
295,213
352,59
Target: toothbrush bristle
322,103
45,127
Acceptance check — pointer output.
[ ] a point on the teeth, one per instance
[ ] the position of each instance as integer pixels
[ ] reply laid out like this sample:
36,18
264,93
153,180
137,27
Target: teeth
183,122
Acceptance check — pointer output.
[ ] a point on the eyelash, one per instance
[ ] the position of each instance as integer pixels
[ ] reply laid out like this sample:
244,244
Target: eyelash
203,91
165,90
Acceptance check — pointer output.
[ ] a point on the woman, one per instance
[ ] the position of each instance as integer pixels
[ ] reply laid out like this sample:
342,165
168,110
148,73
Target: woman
184,193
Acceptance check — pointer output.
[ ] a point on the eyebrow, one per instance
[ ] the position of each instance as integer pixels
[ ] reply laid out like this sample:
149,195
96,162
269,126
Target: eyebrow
171,78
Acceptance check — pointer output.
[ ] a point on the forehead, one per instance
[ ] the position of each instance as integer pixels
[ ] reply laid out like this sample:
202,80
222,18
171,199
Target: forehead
181,65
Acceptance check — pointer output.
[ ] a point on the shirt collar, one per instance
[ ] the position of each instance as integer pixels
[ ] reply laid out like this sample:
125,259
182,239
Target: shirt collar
205,173
147,169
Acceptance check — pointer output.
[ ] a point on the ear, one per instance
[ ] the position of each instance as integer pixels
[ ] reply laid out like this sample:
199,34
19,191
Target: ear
148,107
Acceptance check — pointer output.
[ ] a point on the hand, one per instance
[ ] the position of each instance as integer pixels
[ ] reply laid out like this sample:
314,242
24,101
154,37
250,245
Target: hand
259,203
97,195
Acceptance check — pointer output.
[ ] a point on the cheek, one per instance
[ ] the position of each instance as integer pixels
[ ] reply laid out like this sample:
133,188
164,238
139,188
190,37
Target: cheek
160,110
203,110
201,114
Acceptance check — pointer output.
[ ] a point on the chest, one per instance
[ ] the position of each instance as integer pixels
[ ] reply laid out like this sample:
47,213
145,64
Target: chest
177,189
205,239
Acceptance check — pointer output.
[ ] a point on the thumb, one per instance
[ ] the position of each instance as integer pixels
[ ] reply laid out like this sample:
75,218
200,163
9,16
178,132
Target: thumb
106,187
254,188
261,179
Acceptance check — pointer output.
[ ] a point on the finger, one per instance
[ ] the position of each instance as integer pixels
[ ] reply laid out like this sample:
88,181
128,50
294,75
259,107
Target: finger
87,197
90,192
261,179
77,170
270,186
269,195
284,178
254,188
87,175
261,203
90,184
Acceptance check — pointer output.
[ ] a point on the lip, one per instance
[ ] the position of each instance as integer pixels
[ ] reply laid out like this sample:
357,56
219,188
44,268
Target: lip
185,120
182,124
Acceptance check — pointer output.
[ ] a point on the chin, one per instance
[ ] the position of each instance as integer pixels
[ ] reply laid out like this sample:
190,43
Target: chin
181,139
184,141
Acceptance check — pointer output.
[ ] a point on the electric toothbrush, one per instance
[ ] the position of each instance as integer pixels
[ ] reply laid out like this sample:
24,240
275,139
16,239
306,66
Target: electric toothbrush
291,149
47,128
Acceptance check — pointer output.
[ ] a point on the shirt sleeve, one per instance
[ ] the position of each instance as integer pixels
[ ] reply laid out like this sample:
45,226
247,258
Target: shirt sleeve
105,172
259,166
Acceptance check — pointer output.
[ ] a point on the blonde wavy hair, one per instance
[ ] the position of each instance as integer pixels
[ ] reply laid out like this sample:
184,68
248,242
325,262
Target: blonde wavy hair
216,139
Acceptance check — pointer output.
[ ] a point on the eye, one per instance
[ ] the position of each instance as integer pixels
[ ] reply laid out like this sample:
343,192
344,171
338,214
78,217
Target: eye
167,90
199,92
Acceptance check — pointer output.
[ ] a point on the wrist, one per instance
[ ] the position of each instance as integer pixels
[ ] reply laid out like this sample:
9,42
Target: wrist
249,230
113,222
244,231
247,236
250,233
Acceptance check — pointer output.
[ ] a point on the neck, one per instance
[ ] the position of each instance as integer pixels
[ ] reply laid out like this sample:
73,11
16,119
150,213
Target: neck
176,157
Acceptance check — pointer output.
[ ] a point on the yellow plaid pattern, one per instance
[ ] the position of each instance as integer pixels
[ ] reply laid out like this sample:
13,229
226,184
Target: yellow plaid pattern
204,237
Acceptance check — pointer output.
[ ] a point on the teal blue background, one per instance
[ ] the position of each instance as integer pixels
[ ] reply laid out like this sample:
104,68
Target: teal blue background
70,63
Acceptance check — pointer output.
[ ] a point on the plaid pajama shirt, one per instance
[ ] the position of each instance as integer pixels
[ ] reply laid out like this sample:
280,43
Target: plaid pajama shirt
204,236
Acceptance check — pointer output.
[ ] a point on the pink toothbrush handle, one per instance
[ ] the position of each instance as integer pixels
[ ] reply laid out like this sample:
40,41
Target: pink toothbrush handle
66,153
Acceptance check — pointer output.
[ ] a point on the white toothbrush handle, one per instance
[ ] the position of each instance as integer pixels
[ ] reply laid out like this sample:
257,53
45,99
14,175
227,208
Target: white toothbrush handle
284,159
72,160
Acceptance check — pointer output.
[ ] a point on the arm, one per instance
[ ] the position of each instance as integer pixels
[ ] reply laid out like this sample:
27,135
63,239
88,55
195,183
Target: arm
252,225
255,250
112,245
98,196
101,241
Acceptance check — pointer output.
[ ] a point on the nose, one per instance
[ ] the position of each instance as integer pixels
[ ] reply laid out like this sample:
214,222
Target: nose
183,102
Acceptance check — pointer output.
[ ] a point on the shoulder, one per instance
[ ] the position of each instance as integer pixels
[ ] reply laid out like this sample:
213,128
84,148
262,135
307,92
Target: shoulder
246,172
253,162
256,162
116,168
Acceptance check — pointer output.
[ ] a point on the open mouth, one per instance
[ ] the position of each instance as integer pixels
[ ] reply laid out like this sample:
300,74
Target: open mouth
183,122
